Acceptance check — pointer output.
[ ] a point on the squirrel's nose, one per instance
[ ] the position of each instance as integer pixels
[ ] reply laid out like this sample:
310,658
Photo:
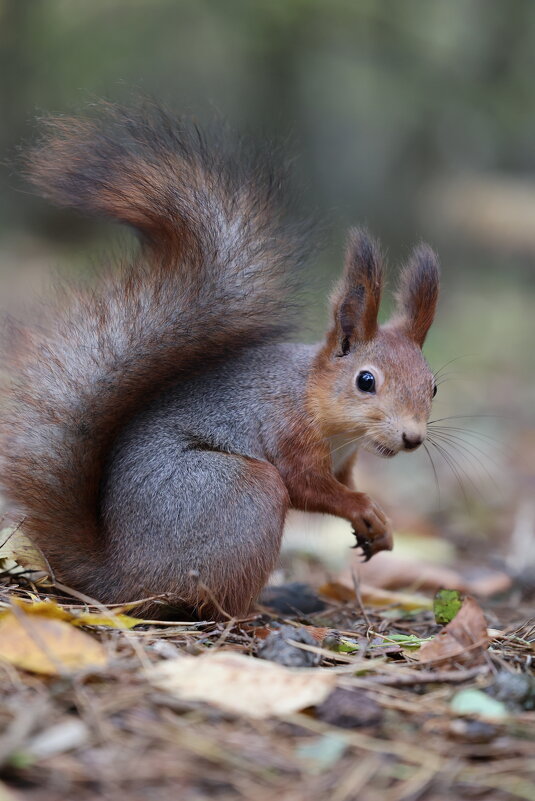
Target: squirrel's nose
411,441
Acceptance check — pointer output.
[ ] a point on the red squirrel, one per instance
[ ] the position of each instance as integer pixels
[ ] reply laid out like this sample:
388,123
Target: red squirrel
157,427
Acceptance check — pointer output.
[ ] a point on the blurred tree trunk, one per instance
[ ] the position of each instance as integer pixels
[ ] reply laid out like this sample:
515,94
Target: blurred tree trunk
17,68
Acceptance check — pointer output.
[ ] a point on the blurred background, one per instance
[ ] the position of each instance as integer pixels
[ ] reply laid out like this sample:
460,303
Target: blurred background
415,118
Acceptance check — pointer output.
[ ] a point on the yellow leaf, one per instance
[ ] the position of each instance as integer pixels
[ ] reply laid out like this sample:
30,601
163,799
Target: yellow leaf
55,611
403,600
44,645
375,596
241,684
110,621
46,608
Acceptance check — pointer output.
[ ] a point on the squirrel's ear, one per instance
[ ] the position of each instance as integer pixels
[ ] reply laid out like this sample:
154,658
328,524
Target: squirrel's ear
417,293
356,299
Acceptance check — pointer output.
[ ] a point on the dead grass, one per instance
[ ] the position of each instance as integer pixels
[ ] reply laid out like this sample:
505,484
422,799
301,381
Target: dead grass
109,734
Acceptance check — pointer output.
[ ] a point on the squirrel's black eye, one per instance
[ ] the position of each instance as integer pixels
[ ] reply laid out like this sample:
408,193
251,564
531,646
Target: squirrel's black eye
434,390
366,381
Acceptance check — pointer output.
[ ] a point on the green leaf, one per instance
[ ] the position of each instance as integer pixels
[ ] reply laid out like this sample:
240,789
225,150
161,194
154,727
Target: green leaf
347,646
446,604
476,702
408,640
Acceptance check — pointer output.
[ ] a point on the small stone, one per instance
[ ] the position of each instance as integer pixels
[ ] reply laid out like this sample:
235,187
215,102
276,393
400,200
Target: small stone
473,731
277,648
516,689
293,599
349,709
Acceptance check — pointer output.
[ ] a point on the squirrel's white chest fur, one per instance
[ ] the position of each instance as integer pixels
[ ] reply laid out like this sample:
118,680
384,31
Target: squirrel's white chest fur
342,447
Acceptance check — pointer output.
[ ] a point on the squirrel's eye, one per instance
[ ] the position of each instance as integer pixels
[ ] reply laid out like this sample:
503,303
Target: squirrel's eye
434,390
366,381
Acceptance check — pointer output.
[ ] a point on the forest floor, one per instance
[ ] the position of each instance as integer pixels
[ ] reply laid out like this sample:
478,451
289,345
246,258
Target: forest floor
361,694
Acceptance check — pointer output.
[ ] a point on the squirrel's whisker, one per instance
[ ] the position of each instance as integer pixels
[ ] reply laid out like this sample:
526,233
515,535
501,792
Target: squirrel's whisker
475,447
446,364
434,471
465,417
457,468
452,465
461,436
471,456
472,433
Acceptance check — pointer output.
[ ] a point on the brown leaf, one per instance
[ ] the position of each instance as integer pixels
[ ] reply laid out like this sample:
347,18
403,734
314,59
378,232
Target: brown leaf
393,572
337,591
486,583
318,632
463,641
262,632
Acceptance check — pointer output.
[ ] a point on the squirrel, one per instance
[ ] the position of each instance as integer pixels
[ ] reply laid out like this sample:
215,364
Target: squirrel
156,428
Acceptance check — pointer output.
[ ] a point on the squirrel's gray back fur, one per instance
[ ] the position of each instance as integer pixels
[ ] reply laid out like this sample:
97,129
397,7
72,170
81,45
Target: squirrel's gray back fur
166,471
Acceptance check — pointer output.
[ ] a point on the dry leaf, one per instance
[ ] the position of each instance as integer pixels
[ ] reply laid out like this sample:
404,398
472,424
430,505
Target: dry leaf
18,554
463,641
262,632
337,591
375,597
409,601
55,611
117,621
391,571
46,608
44,645
67,735
486,582
318,632
242,685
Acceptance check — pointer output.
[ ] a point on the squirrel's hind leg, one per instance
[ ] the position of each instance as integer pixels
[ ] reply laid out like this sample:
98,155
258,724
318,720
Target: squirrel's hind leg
205,530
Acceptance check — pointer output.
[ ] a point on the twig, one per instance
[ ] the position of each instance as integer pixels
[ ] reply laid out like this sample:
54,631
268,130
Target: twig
356,586
427,677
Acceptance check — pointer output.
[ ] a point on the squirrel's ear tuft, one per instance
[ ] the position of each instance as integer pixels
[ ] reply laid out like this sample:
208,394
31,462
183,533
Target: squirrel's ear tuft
417,293
357,297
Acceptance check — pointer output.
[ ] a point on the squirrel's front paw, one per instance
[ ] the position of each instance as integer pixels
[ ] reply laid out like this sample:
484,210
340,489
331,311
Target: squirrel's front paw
371,528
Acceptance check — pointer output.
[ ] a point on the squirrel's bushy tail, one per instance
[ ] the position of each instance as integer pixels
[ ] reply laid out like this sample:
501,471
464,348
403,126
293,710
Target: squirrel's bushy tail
212,276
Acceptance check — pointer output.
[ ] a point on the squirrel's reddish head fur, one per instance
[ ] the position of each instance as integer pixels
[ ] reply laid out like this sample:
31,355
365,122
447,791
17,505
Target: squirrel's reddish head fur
371,381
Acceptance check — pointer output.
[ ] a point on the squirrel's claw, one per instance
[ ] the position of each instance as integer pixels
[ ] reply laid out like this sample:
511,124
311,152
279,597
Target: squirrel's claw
365,545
